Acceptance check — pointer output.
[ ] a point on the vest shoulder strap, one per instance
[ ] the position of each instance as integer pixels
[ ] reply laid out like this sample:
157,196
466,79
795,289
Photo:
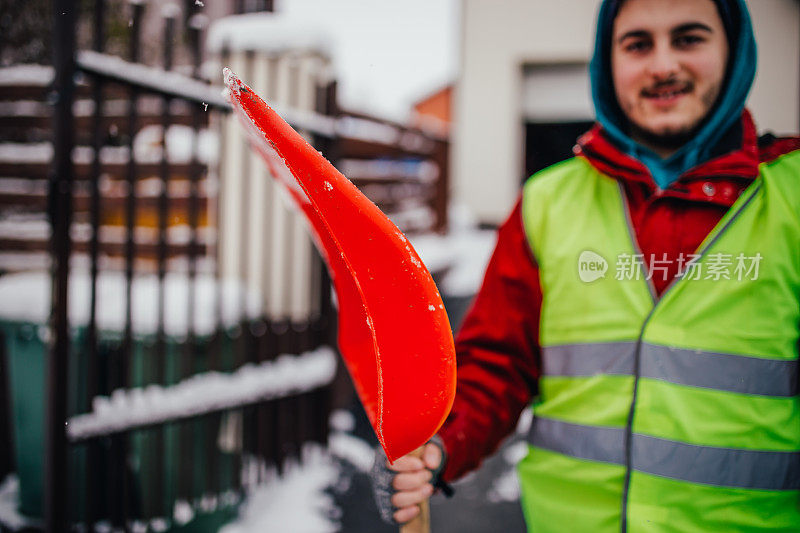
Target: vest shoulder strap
552,192
782,174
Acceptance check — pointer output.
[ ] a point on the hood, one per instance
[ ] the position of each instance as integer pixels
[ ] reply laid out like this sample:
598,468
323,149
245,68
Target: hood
722,117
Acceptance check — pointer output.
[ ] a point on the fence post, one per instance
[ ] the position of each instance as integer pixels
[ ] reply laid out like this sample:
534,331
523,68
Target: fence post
7,451
60,204
93,473
442,158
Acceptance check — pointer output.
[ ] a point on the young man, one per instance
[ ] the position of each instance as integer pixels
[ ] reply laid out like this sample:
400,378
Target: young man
645,296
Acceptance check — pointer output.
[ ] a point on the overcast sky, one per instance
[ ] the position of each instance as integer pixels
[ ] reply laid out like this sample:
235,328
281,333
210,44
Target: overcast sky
388,53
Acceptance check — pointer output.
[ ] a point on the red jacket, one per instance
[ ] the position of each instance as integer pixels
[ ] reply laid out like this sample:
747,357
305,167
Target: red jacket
498,344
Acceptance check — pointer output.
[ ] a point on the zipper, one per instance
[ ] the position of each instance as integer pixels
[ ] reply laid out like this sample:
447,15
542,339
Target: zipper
637,354
629,423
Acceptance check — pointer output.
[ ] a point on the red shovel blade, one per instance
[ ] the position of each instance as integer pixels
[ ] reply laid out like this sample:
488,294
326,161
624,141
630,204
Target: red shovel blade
394,334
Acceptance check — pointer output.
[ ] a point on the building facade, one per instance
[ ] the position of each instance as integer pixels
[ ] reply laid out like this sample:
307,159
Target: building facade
523,73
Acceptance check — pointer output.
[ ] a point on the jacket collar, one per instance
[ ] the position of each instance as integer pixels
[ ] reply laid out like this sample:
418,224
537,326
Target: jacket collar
738,160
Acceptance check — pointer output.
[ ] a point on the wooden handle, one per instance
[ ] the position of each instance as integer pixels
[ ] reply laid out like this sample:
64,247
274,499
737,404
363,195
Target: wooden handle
422,522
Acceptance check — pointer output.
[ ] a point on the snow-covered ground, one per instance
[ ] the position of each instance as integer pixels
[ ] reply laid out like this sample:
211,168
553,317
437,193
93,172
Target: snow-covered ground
328,491
9,501
302,499
331,487
295,502
463,253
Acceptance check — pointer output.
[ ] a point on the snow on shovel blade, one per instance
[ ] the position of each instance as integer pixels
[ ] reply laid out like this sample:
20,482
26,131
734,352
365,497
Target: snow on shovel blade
394,334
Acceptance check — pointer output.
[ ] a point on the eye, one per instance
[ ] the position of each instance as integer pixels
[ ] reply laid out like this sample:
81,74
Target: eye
687,41
636,46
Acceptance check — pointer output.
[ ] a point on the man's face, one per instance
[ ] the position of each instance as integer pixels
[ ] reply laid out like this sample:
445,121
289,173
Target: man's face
668,60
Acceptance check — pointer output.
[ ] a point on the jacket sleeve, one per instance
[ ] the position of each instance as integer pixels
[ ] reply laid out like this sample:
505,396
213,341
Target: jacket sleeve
497,351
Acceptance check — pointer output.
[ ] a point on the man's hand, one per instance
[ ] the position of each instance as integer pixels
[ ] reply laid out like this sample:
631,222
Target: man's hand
413,481
401,487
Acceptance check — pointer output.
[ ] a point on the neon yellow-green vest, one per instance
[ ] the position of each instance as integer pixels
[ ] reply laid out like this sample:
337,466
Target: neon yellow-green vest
671,414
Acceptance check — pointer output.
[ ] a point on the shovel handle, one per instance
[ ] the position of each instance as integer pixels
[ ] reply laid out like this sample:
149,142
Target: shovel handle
422,522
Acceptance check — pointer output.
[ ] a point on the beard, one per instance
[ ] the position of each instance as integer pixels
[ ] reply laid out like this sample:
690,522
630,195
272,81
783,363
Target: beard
675,138
670,140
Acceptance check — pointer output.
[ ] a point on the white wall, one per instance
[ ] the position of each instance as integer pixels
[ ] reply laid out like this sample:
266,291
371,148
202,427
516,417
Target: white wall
499,37
271,250
775,98
554,93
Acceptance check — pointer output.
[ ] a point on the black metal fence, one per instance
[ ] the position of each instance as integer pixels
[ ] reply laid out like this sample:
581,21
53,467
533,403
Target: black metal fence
145,470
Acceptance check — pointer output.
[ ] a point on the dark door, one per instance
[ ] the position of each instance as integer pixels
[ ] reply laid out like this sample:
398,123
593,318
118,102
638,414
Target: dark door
547,143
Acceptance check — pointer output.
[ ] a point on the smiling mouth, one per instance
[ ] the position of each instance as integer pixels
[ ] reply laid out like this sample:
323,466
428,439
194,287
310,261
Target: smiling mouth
667,92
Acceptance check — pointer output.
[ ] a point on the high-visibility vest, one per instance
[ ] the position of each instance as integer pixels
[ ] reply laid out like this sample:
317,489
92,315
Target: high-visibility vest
671,414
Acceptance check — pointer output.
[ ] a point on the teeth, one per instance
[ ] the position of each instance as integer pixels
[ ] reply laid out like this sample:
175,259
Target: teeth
665,95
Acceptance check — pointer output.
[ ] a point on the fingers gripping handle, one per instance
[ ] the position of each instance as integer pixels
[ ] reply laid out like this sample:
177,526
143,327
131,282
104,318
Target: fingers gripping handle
422,522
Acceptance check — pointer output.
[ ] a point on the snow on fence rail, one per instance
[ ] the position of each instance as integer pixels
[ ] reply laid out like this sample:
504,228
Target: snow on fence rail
25,297
36,75
171,83
147,149
205,393
150,78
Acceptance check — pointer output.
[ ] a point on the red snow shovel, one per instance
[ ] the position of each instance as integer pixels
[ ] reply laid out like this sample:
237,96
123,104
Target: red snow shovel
394,334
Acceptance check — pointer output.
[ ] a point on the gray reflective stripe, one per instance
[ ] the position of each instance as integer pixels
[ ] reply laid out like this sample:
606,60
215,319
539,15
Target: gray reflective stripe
733,373
584,442
615,358
725,372
724,467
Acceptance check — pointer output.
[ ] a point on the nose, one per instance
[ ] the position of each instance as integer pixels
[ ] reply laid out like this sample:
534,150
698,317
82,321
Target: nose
663,63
